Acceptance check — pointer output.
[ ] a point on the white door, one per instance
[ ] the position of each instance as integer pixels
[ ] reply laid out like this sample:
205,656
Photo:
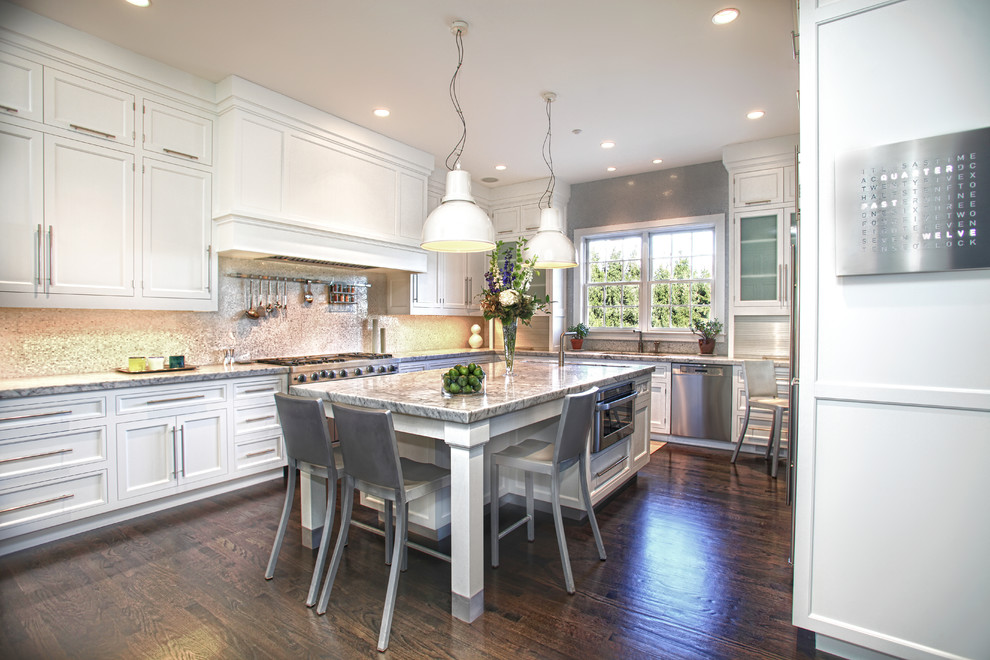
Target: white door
453,281
89,108
177,203
89,208
202,439
759,253
20,87
659,418
425,285
176,133
146,460
22,201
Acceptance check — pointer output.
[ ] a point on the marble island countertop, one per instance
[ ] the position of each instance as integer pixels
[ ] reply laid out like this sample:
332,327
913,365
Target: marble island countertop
419,393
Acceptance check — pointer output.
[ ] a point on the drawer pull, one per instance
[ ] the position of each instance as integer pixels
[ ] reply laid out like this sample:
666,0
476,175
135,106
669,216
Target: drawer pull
606,470
179,153
259,419
178,398
259,453
8,108
35,415
77,127
260,389
41,455
28,506
758,201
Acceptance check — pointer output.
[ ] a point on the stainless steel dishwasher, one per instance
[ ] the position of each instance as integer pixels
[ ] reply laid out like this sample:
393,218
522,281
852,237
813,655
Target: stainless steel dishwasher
701,401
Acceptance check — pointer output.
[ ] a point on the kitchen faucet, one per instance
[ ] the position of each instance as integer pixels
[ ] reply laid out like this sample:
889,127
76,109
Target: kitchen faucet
560,357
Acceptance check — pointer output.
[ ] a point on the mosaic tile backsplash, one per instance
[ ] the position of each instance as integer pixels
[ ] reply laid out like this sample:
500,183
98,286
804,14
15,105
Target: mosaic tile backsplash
40,342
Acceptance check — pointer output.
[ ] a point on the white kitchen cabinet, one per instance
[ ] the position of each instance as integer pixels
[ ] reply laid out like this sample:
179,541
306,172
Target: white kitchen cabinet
758,188
88,108
179,134
21,85
515,221
22,202
257,434
660,410
762,260
89,218
166,453
177,259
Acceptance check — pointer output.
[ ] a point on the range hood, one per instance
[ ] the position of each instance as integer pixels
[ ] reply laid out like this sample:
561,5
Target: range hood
246,237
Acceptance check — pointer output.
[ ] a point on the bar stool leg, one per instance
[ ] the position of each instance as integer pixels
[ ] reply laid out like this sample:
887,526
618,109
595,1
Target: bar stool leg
530,509
778,414
290,496
347,505
389,538
586,493
558,523
493,506
742,434
401,525
321,556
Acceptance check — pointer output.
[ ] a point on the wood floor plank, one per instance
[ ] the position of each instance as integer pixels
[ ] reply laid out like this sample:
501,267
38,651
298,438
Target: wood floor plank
697,568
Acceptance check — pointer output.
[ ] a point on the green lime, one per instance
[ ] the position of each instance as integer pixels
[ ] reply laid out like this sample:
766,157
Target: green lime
472,366
453,373
467,390
462,380
463,370
473,381
454,388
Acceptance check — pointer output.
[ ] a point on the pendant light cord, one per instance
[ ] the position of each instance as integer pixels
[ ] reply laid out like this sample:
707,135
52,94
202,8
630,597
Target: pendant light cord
458,149
548,159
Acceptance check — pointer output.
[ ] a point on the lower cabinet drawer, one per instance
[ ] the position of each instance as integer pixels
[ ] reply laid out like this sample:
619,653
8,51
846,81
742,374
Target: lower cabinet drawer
251,419
609,464
263,452
22,456
170,398
31,412
49,499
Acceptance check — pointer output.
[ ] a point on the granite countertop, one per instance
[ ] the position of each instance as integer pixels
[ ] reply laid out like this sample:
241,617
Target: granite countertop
419,393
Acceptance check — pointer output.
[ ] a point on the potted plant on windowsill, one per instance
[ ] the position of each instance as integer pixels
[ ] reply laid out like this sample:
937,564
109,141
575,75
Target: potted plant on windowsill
580,332
707,329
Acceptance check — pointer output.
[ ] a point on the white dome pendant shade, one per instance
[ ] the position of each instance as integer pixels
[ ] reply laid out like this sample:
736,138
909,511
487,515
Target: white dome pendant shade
458,224
550,245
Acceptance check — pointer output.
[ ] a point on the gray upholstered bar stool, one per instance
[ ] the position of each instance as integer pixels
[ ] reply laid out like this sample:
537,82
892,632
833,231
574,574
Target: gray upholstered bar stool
373,466
308,448
760,383
536,456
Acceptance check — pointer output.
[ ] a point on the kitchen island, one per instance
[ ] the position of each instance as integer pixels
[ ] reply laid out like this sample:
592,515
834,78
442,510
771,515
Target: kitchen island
531,399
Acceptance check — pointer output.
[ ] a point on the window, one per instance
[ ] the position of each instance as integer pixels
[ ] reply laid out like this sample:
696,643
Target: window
651,277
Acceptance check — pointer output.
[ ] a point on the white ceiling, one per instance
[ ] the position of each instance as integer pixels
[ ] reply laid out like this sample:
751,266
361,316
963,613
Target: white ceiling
656,76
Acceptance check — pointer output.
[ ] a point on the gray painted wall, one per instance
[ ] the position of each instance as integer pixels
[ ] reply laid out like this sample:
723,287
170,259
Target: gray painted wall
678,192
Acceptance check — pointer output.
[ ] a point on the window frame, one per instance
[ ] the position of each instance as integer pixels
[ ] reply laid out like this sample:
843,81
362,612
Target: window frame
715,221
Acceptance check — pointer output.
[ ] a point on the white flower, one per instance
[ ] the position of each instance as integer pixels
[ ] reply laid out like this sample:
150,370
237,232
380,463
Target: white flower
509,297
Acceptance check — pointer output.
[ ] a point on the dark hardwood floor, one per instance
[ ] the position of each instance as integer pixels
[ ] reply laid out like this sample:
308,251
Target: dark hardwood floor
697,568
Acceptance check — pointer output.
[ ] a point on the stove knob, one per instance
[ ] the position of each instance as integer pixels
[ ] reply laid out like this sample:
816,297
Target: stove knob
393,368
315,377
342,373
381,370
325,373
358,372
331,374
301,378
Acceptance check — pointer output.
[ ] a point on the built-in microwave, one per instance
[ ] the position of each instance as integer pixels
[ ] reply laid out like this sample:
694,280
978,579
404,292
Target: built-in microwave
615,415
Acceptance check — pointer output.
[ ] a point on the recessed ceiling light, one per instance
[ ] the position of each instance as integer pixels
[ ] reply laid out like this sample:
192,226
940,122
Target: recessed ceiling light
755,114
610,169
726,15
140,3
657,161
500,167
608,144
382,112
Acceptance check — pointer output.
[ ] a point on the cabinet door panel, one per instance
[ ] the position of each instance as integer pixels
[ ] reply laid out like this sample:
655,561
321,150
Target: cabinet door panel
412,207
88,108
763,187
145,457
203,451
758,258
506,222
177,133
20,87
260,166
89,208
21,209
177,204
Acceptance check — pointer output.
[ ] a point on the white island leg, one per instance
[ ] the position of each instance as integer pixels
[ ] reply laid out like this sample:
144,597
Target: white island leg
467,514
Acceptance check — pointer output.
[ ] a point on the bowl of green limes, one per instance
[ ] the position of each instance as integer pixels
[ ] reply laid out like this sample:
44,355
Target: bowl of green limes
462,380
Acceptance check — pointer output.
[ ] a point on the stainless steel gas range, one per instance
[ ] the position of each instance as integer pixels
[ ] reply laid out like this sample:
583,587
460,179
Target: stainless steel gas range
312,368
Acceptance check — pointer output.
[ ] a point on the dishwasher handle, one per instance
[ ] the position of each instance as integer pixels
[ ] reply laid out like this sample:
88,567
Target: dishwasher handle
698,369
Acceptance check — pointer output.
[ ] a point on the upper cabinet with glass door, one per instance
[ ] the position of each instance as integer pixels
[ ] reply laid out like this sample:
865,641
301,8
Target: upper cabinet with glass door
762,259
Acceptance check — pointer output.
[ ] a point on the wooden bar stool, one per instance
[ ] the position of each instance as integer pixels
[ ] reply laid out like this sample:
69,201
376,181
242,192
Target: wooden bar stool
572,445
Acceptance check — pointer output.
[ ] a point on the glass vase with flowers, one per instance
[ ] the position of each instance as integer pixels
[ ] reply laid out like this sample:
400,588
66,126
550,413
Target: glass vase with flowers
506,295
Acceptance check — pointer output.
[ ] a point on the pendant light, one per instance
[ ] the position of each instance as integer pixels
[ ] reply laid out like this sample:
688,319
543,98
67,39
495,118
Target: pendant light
550,245
458,224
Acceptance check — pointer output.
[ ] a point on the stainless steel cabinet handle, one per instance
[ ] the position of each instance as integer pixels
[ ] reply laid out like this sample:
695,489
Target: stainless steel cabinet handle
259,419
38,503
45,414
77,127
179,153
182,450
757,201
8,108
175,455
178,398
51,260
606,470
41,455
260,389
41,254
259,453
787,284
